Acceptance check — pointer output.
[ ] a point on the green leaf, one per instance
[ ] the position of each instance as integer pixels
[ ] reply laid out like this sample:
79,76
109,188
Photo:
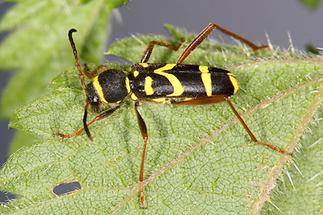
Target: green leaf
311,49
200,160
21,139
311,4
38,46
299,189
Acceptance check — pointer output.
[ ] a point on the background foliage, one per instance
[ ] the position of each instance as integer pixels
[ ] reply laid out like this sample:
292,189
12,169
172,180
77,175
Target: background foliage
46,53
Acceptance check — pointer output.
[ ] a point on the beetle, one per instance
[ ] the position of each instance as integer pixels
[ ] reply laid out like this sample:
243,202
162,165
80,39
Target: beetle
168,83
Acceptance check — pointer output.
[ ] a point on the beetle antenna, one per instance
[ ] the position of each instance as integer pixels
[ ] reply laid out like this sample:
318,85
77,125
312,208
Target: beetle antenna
76,58
82,79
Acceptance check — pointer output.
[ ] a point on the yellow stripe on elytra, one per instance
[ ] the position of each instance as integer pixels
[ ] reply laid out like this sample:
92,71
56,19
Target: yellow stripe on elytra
206,79
144,65
148,86
98,89
234,83
178,88
127,85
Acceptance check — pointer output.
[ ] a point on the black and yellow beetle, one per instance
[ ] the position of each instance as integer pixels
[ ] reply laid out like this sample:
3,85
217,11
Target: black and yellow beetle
178,84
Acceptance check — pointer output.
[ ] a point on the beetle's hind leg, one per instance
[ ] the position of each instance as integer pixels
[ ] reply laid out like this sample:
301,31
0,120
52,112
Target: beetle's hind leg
221,98
206,32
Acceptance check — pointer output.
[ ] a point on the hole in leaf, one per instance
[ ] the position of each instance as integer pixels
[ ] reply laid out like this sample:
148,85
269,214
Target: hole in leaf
66,188
6,197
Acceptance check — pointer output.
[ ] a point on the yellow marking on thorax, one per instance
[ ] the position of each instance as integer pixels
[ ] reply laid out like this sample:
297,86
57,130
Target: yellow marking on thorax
135,73
206,79
144,65
178,88
127,85
134,97
234,82
148,86
98,89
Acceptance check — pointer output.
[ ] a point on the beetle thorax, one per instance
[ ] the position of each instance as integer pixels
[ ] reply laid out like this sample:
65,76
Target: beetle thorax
106,89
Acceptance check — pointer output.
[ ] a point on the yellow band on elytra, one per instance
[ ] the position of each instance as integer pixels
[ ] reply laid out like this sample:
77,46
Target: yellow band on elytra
178,88
206,79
